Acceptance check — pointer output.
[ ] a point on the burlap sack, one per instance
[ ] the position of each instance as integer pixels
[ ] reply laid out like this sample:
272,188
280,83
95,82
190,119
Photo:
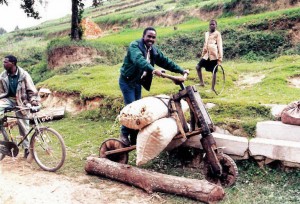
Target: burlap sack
142,112
154,138
291,114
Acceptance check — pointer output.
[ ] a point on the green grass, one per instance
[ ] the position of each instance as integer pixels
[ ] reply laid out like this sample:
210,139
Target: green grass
238,106
273,88
125,37
89,82
83,138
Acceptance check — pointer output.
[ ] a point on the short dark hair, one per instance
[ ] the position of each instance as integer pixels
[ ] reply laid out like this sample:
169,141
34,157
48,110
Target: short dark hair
12,58
148,28
214,21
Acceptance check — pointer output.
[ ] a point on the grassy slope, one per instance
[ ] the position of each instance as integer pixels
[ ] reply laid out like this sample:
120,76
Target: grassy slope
102,80
83,136
253,186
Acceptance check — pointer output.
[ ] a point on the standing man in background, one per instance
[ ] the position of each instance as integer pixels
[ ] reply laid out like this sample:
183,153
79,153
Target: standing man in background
212,52
137,71
17,89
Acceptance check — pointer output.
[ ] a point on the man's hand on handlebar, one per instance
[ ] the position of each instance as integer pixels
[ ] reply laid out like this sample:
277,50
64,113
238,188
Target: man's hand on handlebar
157,72
186,71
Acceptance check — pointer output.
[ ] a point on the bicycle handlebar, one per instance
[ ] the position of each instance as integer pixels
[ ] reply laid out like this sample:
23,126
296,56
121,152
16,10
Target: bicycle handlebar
33,109
176,79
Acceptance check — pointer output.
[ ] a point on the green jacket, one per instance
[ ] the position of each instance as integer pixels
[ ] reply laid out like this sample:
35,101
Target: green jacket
135,63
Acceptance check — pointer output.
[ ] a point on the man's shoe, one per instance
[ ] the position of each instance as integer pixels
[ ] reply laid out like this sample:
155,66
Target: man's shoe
26,153
124,139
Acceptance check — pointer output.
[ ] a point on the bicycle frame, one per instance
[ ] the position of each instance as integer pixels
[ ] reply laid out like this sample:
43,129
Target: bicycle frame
10,138
46,144
199,117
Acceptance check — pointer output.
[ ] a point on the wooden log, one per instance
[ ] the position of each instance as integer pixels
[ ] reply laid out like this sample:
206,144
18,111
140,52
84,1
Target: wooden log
200,190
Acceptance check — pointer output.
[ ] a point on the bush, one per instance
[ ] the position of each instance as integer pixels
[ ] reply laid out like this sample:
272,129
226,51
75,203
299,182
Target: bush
254,45
257,45
183,46
40,72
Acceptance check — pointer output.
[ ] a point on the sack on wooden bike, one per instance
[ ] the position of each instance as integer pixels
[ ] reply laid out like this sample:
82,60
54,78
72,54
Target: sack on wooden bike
154,138
291,114
143,112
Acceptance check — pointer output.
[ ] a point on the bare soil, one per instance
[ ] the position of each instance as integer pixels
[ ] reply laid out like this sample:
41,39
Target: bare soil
26,183
249,80
60,57
294,81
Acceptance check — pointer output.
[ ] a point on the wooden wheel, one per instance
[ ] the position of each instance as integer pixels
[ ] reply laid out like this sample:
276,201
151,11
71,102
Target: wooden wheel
229,171
113,144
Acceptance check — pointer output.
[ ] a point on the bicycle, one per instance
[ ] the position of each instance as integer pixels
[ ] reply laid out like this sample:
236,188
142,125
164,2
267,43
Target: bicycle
218,167
46,145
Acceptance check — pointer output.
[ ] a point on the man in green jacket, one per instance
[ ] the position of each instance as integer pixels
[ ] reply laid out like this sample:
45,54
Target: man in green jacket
137,71
17,89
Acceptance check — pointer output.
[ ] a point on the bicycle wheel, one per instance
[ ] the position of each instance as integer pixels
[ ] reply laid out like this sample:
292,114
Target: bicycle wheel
4,137
48,149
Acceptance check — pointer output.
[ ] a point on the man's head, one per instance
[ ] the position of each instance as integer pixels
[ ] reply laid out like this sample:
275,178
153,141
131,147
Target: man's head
212,25
10,62
149,36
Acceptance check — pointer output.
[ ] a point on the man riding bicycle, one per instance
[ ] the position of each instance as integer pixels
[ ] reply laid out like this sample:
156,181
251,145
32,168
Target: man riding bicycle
17,89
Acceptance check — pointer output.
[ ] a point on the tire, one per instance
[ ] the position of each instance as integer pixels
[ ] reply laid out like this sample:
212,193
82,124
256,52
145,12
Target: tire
48,149
113,144
229,174
3,136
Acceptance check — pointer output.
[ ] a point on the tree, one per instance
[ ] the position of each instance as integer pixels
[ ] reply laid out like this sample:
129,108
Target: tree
27,6
77,11
3,2
2,31
17,28
97,3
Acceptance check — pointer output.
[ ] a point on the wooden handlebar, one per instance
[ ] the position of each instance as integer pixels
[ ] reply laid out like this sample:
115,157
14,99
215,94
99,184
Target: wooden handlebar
176,79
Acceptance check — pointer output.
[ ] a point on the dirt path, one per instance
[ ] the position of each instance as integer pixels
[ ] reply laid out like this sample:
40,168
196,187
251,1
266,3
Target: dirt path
21,182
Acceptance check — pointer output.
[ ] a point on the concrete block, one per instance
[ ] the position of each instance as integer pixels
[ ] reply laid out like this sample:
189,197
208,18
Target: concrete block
234,145
275,149
277,130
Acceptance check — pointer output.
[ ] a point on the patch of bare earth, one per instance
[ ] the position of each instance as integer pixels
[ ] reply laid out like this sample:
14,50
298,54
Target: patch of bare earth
22,182
71,102
60,57
249,80
294,81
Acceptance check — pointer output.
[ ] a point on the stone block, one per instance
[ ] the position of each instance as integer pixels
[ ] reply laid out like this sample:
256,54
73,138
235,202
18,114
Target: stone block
278,131
275,149
234,145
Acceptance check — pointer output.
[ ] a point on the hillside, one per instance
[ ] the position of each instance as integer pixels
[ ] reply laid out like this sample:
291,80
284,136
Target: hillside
259,40
262,68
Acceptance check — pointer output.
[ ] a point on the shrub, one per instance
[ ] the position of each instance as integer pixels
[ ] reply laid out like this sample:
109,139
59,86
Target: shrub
39,72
